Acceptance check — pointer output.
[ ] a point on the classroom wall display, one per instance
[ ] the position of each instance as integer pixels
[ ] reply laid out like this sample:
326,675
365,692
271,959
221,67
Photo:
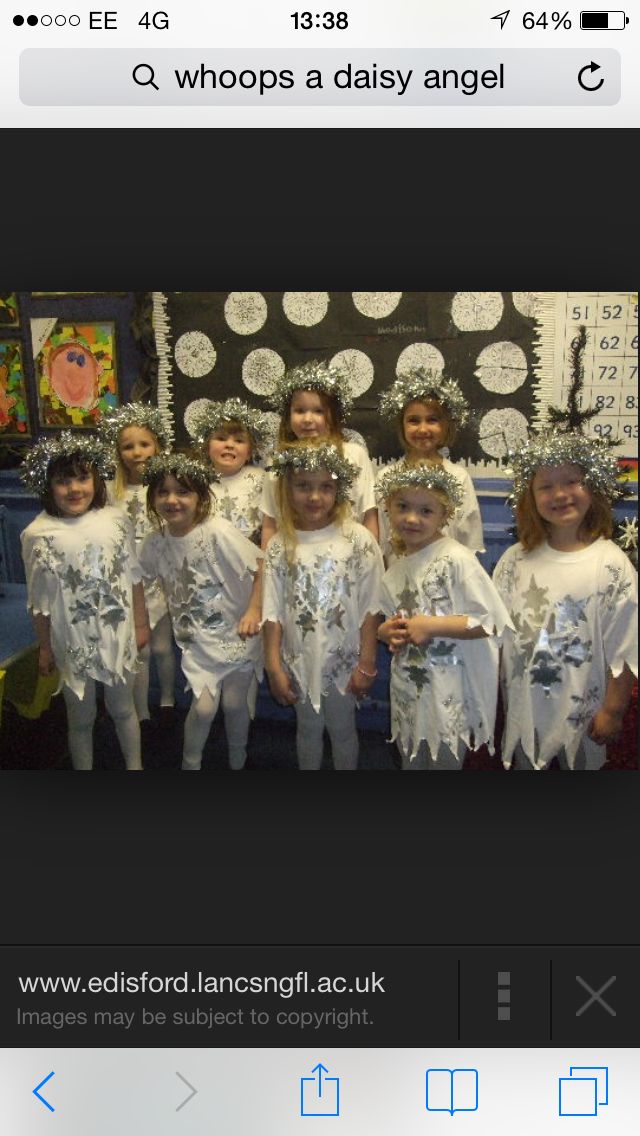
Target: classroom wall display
75,368
610,360
216,344
9,314
14,412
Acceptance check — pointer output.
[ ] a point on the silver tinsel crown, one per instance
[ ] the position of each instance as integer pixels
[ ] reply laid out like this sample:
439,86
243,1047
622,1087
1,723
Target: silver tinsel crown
179,466
563,447
132,414
207,419
305,456
35,469
315,376
422,385
419,475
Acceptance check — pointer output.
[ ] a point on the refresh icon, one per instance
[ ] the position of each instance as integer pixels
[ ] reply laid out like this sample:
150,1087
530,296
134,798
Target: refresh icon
587,72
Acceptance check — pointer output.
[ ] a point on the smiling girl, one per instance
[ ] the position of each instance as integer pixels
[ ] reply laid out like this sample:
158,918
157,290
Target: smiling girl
427,410
207,569
572,593
136,432
84,590
443,619
313,401
322,576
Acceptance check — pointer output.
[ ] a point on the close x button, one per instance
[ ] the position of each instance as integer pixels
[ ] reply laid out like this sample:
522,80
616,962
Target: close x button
596,996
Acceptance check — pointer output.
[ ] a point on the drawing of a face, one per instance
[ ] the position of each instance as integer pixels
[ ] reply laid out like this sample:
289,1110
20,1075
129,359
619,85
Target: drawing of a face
73,375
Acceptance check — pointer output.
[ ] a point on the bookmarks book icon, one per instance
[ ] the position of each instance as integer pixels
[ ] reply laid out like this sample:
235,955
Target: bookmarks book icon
319,1095
452,1090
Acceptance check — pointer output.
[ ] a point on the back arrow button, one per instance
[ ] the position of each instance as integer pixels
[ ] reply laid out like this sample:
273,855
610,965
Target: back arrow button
588,70
36,1092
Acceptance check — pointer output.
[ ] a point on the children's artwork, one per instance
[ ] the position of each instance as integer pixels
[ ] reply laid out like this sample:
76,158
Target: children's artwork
14,412
75,372
9,316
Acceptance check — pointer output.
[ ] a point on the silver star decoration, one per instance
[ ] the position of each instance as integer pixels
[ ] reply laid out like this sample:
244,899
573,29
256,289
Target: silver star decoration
628,539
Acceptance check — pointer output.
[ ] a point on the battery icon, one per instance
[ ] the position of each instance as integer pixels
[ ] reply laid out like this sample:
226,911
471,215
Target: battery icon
603,21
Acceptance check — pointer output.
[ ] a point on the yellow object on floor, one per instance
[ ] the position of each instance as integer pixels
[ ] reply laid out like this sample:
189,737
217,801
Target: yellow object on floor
24,688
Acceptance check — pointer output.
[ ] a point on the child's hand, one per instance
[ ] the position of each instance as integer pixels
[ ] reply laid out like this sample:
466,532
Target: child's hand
143,635
393,632
46,661
282,688
605,725
419,629
250,623
359,683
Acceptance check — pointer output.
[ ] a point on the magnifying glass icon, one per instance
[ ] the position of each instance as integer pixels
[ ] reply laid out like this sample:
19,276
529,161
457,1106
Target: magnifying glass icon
146,69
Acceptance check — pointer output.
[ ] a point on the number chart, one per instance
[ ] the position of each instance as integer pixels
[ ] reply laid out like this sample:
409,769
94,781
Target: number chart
610,360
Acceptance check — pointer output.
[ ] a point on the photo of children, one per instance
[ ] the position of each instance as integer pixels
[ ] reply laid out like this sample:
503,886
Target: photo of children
329,531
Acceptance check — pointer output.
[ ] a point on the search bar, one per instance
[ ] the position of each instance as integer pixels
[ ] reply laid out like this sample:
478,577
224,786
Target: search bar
322,77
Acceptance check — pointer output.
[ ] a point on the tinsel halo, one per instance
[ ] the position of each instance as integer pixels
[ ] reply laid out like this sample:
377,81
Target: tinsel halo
310,458
178,466
418,475
208,418
132,414
422,385
65,445
564,447
316,376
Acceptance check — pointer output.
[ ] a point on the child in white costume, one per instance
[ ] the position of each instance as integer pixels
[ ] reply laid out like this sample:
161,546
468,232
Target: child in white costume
427,410
230,436
313,401
207,569
443,622
321,599
84,590
572,594
135,432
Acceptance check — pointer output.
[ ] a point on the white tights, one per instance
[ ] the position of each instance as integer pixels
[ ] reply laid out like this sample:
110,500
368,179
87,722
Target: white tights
160,648
338,714
237,695
81,715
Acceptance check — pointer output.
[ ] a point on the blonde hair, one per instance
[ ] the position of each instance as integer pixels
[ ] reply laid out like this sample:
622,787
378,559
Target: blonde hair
340,512
397,543
120,480
450,431
534,531
331,409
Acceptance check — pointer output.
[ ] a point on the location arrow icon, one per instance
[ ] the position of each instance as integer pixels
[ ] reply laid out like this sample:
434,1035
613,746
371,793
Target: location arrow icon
191,1094
502,16
36,1092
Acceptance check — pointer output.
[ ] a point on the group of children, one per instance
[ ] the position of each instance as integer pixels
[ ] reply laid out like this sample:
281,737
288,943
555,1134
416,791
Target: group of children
301,568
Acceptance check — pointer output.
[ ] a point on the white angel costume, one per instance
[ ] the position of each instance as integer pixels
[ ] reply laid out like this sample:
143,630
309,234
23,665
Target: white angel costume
361,492
133,504
207,577
466,524
575,620
237,499
321,601
80,572
444,692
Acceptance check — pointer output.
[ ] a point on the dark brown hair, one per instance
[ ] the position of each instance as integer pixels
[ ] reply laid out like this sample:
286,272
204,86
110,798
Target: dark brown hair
203,509
73,465
450,429
332,413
